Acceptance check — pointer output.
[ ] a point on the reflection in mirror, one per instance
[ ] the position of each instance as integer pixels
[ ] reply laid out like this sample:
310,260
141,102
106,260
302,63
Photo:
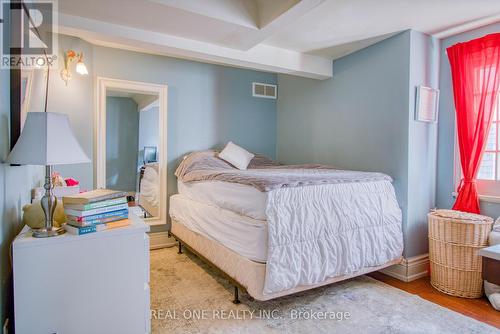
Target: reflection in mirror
132,141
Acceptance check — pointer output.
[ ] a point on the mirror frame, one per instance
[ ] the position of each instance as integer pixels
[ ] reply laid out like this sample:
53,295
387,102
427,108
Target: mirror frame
101,87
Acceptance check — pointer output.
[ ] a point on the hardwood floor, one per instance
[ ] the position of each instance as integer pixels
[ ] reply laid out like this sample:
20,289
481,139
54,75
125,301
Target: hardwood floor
479,309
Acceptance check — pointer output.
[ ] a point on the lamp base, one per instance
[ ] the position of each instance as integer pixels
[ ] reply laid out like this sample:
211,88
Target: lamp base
50,232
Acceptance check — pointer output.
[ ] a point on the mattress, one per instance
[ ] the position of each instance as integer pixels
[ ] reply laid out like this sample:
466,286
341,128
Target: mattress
244,235
241,199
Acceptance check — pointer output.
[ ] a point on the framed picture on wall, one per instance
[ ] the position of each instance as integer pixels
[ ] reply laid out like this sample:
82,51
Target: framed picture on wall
427,104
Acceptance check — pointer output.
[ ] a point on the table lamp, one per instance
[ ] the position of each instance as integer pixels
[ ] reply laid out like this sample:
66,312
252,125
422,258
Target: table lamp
47,140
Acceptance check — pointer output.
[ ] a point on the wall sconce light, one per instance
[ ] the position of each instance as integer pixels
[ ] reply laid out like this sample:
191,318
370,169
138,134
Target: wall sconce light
69,57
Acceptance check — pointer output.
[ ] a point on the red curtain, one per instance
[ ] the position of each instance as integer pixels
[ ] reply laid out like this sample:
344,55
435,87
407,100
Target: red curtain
475,70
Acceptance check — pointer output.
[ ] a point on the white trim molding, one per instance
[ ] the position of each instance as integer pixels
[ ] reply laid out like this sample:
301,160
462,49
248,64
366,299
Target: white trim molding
482,198
409,269
470,25
104,84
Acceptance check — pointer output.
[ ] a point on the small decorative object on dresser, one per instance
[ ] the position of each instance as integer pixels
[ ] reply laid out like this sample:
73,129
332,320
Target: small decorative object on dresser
96,283
62,187
58,192
34,217
454,240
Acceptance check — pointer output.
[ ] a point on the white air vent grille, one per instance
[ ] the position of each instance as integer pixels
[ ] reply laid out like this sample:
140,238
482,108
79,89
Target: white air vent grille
264,90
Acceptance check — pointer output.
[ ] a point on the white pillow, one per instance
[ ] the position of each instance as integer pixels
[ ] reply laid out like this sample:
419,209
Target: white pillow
236,156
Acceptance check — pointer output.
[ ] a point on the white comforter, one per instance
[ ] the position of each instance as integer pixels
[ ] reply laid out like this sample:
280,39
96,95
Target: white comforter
317,232
150,185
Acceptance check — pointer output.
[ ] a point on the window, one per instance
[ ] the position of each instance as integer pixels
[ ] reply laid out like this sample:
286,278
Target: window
489,171
475,67
490,165
488,176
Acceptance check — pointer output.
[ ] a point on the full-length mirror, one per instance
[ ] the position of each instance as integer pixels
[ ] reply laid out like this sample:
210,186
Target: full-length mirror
130,118
132,147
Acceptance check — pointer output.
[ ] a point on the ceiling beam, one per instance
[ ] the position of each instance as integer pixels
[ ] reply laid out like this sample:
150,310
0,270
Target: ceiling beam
261,57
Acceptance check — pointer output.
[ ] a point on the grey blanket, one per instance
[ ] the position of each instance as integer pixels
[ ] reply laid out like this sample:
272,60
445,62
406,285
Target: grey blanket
265,174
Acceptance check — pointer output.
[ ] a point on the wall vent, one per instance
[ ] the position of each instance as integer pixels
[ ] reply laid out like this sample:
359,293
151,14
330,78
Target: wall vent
264,90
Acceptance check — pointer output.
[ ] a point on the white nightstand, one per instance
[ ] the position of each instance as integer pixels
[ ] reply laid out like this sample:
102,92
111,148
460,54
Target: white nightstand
94,283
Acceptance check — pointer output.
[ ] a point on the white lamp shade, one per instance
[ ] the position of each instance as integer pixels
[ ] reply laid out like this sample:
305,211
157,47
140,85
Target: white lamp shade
47,139
81,68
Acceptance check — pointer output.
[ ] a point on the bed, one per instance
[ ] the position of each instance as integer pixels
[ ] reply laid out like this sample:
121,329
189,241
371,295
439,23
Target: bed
149,189
277,230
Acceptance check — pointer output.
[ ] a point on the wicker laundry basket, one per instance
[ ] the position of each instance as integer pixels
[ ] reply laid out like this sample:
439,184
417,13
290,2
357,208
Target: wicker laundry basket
454,239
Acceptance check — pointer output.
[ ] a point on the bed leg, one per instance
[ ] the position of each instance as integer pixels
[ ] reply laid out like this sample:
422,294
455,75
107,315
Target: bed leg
180,247
236,296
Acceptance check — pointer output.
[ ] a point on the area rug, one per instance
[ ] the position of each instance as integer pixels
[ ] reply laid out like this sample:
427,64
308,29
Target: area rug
189,296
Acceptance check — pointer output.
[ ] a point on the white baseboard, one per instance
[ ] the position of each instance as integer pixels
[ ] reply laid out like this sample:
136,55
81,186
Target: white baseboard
409,269
160,240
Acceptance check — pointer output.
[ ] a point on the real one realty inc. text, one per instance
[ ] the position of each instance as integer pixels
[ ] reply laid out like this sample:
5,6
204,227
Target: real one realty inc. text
223,314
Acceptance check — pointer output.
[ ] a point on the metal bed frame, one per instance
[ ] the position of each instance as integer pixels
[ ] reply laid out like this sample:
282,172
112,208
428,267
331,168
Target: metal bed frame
232,281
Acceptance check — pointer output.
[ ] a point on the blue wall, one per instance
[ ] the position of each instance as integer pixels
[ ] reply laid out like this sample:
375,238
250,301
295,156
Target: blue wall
446,139
347,120
122,139
362,119
422,144
7,230
208,105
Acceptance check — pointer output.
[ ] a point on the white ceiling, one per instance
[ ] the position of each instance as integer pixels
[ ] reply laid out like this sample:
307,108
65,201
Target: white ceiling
325,29
237,24
288,36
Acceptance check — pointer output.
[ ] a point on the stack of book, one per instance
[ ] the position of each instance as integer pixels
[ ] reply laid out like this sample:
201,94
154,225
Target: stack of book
95,211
